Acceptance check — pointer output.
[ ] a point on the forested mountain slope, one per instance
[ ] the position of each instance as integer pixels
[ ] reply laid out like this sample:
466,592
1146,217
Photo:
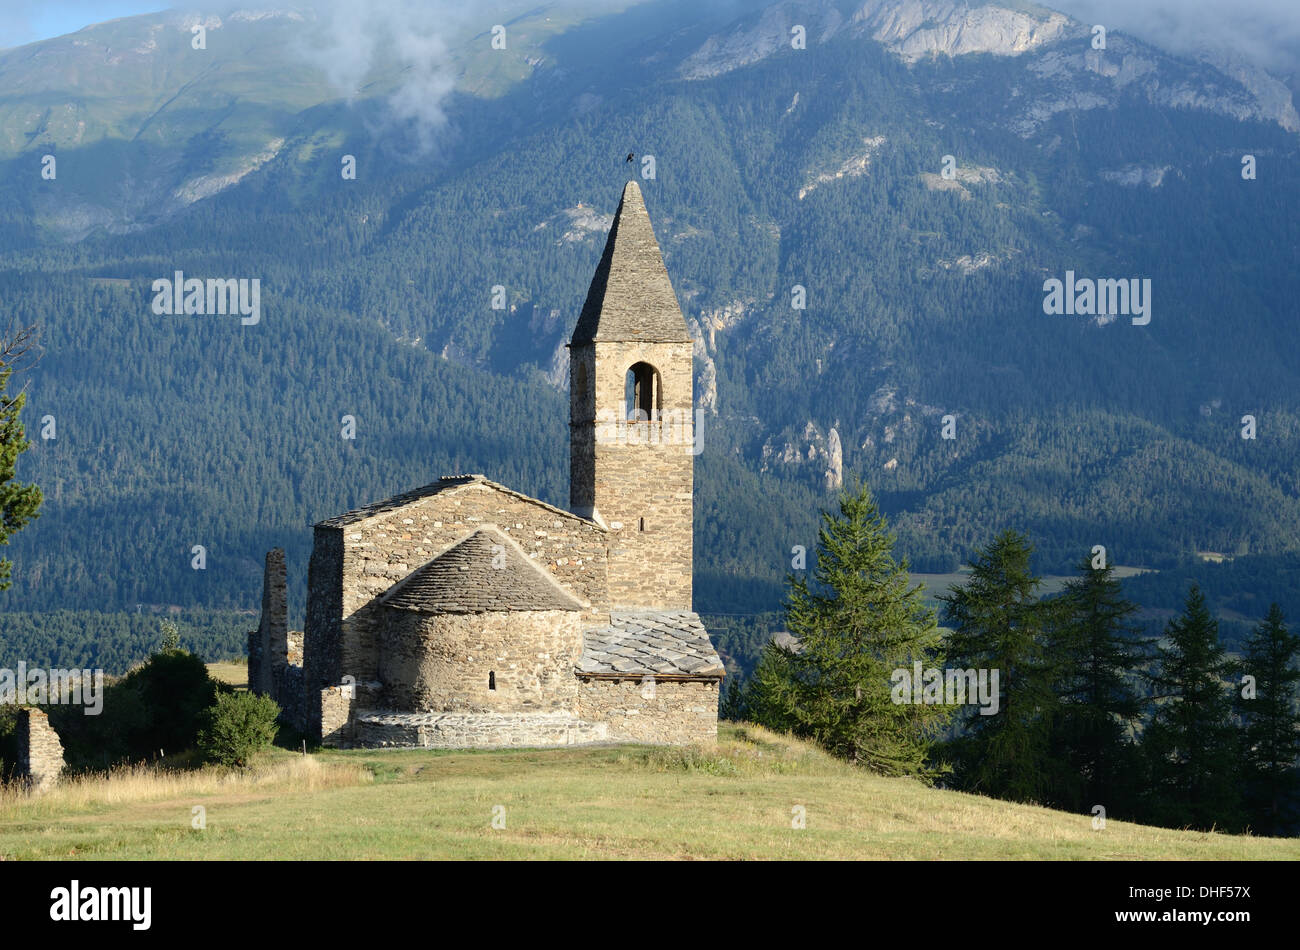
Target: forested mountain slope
774,169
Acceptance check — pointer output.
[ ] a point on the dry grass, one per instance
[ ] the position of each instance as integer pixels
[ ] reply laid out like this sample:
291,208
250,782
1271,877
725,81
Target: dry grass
128,785
733,801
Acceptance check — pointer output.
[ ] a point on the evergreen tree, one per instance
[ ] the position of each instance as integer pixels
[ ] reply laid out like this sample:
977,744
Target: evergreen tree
19,503
732,706
996,623
1271,736
859,620
171,635
1191,743
1096,654
767,700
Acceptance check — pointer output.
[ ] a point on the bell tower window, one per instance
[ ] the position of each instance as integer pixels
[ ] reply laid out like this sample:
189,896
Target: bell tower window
643,394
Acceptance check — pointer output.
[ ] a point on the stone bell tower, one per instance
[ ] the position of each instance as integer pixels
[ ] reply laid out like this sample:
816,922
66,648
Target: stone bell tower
631,423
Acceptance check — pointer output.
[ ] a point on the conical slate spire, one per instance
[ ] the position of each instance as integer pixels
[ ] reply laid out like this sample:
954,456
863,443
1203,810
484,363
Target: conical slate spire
631,297
487,571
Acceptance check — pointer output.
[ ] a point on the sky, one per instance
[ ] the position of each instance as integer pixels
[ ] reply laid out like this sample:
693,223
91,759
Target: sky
1266,31
26,21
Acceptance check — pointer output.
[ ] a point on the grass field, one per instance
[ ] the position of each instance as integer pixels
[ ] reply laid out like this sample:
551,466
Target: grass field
737,801
236,674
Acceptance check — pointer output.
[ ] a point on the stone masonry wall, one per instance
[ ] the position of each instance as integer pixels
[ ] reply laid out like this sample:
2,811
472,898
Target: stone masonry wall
639,477
332,714
40,752
677,713
445,662
477,730
267,647
381,550
323,634
291,695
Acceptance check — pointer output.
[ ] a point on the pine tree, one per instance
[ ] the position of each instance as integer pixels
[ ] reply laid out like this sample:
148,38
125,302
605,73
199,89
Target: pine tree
1191,743
1271,737
1097,654
767,699
996,623
858,621
19,503
733,706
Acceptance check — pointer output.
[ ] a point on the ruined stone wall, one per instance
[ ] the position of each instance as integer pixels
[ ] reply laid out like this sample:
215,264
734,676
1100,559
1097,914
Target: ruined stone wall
255,660
274,651
290,693
447,662
381,550
323,634
267,645
294,651
331,714
639,477
678,713
40,752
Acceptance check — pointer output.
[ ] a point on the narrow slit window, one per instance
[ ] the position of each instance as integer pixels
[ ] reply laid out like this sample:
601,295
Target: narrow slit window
580,383
492,679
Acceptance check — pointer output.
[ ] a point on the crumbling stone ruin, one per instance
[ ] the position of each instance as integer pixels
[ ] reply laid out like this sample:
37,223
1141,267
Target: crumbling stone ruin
467,614
274,651
40,752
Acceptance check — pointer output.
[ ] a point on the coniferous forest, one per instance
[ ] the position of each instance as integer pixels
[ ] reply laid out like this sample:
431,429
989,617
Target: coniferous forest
1087,714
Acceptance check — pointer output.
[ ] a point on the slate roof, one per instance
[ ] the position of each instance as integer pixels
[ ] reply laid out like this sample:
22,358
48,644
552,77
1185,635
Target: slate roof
631,297
464,580
650,642
446,483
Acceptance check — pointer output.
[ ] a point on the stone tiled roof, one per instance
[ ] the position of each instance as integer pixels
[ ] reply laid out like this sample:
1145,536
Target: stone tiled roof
485,572
446,483
650,642
631,297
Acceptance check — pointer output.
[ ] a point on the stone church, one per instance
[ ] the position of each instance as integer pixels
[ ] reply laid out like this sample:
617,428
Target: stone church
467,614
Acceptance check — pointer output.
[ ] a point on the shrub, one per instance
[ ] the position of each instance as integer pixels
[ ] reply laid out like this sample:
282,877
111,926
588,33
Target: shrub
8,740
175,688
155,706
237,727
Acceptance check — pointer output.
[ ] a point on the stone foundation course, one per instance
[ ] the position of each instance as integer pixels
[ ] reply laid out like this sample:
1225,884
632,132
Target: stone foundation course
475,730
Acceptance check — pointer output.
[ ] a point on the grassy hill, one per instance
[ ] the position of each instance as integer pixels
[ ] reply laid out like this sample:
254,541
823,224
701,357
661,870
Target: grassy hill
589,802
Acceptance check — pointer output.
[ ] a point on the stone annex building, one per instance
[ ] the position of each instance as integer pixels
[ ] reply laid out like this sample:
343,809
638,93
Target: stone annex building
467,614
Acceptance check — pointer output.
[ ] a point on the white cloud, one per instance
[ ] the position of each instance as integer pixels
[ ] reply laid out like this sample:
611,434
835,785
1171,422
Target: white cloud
1266,32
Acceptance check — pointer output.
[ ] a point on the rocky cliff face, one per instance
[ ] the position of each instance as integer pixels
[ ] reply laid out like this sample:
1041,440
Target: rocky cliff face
918,28
1057,51
914,29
